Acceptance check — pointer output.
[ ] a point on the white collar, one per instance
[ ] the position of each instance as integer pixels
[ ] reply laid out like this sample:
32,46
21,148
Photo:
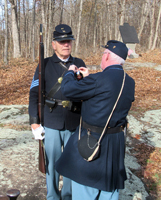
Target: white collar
64,60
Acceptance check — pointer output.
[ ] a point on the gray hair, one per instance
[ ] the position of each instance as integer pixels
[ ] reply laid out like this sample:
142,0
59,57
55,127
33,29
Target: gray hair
117,58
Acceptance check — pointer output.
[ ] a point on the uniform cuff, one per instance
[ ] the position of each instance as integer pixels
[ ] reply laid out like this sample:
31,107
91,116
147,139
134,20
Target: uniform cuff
69,72
34,120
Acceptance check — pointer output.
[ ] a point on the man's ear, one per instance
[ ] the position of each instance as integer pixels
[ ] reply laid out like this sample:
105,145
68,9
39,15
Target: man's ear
53,45
107,56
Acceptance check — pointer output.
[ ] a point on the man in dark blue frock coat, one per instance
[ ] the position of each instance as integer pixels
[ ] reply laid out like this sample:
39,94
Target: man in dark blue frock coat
60,121
103,177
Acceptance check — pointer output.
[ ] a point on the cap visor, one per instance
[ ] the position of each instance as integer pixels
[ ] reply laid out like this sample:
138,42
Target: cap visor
62,39
103,46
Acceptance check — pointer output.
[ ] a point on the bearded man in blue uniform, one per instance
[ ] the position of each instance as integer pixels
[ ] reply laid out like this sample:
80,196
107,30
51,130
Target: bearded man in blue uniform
61,117
103,177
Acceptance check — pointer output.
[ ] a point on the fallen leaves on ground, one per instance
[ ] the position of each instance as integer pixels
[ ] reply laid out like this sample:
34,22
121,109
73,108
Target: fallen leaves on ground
15,82
147,88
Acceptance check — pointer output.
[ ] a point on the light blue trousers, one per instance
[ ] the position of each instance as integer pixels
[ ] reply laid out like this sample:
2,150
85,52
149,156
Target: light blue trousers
54,140
81,192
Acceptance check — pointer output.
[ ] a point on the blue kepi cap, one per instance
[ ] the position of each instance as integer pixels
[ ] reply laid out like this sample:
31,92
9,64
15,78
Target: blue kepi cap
118,48
63,32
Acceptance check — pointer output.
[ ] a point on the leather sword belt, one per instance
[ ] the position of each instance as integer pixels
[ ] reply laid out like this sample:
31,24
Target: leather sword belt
51,103
98,129
63,103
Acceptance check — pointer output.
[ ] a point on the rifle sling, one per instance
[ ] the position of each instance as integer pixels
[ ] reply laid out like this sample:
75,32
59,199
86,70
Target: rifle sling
54,89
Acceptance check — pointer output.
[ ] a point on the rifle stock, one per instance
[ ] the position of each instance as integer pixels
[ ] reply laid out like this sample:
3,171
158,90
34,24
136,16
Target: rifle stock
41,100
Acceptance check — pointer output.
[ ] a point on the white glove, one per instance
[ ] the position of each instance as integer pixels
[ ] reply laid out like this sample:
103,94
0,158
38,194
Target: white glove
39,133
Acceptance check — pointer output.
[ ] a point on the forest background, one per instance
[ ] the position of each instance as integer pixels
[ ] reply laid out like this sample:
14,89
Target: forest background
93,22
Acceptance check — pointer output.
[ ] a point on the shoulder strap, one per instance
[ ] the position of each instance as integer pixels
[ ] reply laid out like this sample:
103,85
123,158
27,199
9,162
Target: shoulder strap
113,108
57,85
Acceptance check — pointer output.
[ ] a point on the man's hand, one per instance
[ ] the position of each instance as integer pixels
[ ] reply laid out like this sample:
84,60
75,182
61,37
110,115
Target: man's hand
84,71
38,131
35,126
74,68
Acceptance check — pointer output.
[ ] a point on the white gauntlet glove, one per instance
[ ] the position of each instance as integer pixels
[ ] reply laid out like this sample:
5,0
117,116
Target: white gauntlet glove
39,133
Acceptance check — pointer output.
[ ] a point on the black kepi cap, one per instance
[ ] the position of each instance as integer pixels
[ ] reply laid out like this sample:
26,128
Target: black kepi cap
63,32
118,48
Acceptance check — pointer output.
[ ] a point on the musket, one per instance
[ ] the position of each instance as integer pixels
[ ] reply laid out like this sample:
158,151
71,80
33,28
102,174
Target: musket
41,99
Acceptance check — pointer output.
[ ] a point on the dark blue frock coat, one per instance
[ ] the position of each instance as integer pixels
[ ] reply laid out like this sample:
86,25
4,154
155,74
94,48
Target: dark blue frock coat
98,93
60,118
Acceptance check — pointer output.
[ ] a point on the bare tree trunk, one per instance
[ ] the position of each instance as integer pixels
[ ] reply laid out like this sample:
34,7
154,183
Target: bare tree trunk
144,14
44,21
152,25
10,52
116,22
101,25
88,25
18,21
27,29
95,26
123,8
33,31
50,27
108,28
157,28
30,38
71,8
122,17
23,42
15,34
79,25
61,12
6,34
49,30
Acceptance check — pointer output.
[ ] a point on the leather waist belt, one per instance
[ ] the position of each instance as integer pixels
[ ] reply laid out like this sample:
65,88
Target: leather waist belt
54,102
98,129
63,103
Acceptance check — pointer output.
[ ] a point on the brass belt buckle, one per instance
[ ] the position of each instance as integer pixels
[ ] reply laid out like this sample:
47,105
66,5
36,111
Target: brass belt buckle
65,103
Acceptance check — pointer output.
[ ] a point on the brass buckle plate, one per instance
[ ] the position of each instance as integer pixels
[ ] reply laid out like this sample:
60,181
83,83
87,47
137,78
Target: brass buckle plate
65,103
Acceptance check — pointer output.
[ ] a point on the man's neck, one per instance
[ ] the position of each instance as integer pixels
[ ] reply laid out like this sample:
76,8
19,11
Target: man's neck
112,62
109,63
63,59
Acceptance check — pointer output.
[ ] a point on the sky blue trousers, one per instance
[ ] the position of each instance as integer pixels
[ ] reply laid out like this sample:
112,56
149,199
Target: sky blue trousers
54,140
81,192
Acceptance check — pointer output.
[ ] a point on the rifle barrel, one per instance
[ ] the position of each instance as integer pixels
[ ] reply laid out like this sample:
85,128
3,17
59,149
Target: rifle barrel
41,77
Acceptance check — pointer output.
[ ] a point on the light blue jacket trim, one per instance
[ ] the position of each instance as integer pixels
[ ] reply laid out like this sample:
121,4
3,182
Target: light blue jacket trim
34,83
